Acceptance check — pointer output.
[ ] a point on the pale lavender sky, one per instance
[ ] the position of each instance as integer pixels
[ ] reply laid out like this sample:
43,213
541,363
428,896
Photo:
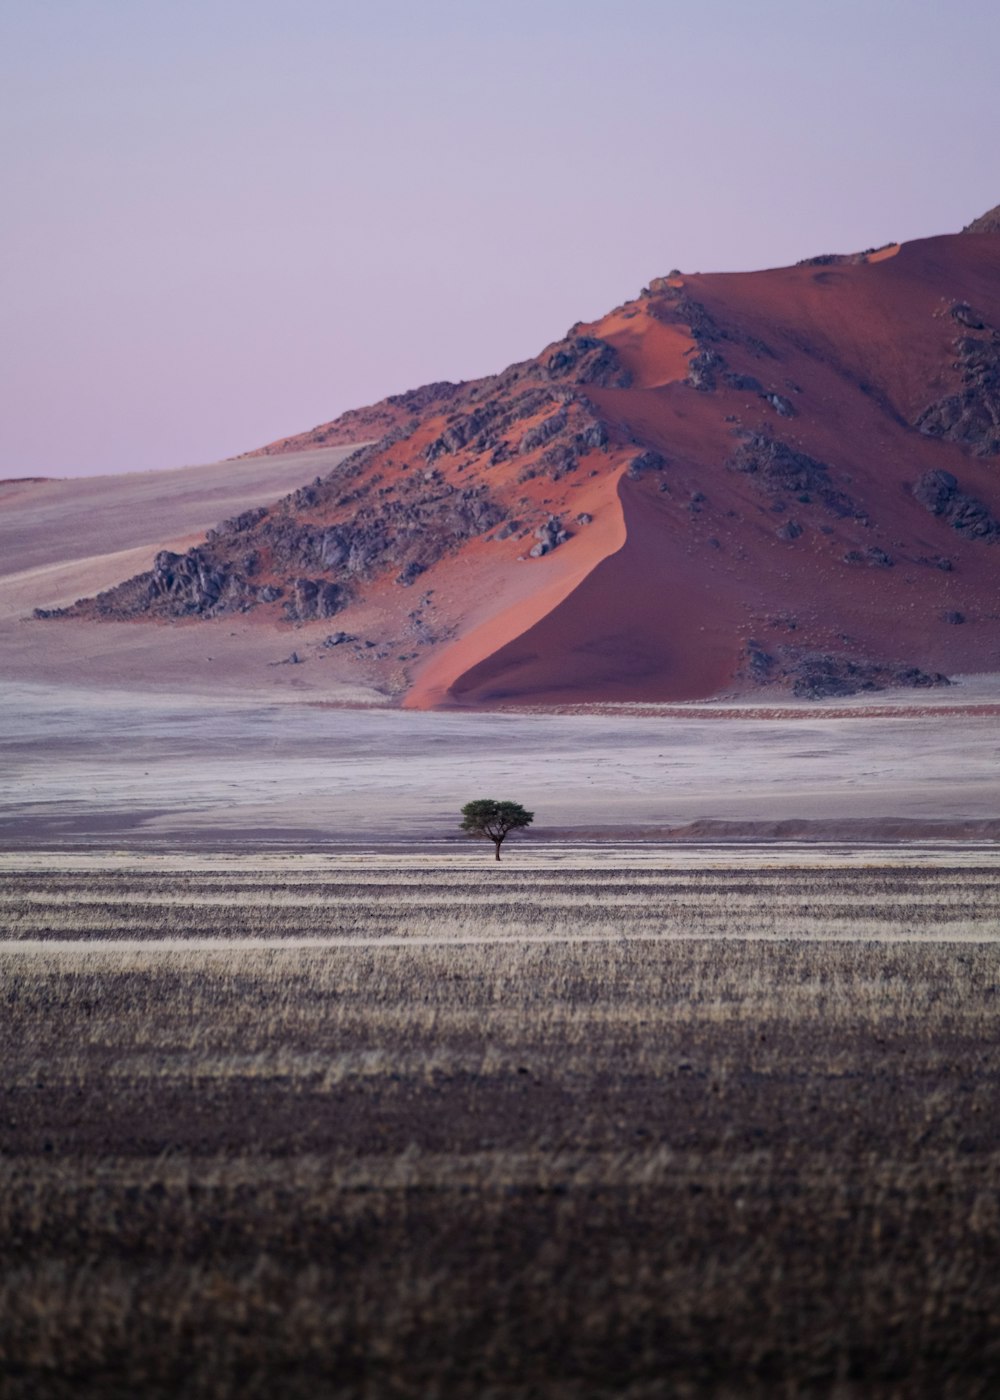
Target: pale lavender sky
229,220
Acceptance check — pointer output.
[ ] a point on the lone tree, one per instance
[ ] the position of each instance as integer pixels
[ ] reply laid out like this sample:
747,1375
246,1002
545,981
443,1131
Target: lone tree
494,819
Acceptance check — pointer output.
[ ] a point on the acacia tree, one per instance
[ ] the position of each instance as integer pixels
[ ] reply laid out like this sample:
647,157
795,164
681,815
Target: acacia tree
494,819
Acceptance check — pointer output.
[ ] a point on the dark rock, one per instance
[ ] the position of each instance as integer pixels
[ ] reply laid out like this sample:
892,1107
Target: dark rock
648,461
745,382
986,223
481,429
588,360
335,547
782,406
314,598
972,415
543,432
409,575
791,530
955,618
914,678
557,460
239,524
698,319
417,400
195,584
337,639
584,518
549,536
778,468
759,664
703,368
877,558
939,492
593,437
965,316
818,676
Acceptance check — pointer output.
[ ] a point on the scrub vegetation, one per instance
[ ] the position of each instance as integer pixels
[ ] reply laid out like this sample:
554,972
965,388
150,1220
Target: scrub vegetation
367,1130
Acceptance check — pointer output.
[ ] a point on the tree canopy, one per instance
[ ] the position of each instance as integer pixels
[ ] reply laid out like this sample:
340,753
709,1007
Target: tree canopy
494,820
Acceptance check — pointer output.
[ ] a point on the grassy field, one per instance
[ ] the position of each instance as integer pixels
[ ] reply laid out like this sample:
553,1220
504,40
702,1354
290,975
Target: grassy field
651,1125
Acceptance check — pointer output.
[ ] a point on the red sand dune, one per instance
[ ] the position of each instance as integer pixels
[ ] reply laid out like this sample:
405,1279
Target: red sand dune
756,452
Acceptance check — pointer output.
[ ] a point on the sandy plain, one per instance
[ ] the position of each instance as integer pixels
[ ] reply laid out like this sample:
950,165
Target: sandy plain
122,767
584,1124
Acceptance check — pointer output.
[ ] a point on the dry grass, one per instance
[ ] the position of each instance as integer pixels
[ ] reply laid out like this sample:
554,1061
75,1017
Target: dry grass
736,1135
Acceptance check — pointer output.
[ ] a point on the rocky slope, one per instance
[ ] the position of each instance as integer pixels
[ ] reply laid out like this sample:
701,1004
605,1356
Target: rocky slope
786,479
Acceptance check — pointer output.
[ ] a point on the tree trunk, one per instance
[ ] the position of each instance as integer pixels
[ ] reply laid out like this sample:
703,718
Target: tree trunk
497,844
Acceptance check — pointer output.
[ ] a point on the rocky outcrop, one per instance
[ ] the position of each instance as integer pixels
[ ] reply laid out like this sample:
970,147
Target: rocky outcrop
542,433
645,462
986,223
291,554
201,583
314,598
815,675
391,508
820,676
873,556
971,416
940,493
549,535
588,360
781,470
703,369
482,428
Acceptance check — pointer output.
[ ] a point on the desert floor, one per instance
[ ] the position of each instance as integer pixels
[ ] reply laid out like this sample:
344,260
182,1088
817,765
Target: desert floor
589,1123
104,765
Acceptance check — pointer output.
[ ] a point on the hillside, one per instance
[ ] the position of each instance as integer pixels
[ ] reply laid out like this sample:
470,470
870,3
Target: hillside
779,480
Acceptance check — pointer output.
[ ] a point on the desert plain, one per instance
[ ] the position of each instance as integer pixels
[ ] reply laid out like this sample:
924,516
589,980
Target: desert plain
593,1122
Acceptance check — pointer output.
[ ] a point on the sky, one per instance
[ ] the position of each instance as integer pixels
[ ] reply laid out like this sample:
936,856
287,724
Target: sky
226,221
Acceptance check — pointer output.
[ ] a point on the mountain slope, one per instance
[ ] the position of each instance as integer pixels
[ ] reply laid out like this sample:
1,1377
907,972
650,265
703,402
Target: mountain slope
784,479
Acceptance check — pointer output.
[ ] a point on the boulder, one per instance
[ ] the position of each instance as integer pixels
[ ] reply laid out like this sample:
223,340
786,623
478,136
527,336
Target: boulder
549,535
314,598
647,461
940,493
